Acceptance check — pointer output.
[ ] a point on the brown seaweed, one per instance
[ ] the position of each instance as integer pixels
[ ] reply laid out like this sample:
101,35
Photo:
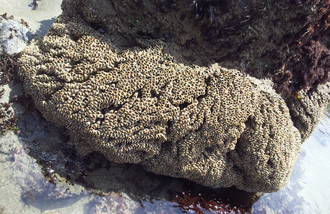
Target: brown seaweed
308,66
7,68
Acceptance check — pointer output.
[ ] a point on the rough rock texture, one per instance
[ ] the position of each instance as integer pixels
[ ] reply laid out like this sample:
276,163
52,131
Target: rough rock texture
132,96
307,111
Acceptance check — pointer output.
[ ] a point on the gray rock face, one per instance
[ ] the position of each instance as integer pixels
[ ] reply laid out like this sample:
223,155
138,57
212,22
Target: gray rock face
216,126
13,35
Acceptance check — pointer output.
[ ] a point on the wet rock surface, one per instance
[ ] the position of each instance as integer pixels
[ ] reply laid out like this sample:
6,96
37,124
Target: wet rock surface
14,34
155,96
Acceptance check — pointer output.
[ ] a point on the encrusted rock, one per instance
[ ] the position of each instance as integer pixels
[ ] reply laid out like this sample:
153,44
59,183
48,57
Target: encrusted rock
135,102
307,110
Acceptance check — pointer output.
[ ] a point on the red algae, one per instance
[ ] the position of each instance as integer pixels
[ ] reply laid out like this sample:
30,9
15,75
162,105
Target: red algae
199,205
308,66
199,199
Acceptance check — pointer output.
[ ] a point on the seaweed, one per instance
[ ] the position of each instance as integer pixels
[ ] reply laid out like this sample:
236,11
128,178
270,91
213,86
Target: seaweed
308,66
198,204
7,17
7,67
318,72
297,60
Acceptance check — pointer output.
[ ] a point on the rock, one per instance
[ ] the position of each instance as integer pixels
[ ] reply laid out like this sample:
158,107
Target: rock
307,111
132,96
14,35
13,38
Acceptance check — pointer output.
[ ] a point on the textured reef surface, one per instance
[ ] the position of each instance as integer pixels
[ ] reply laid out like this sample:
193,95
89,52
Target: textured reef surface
145,82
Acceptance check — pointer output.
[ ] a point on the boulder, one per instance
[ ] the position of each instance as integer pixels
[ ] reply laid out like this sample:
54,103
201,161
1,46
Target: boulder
145,98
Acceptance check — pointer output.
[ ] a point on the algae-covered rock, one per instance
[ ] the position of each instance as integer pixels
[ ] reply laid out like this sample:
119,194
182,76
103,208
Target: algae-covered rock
130,95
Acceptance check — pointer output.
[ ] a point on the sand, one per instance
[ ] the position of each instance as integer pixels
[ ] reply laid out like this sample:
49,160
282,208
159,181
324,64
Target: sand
39,20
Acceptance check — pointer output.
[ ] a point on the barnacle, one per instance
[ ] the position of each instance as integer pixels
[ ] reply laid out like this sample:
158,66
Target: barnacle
141,106
216,126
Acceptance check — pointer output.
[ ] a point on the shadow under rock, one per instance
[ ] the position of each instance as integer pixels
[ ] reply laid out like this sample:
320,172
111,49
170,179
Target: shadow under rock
44,26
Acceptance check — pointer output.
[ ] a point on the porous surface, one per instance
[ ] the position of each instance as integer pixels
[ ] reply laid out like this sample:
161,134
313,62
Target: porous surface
307,111
212,125
138,83
283,41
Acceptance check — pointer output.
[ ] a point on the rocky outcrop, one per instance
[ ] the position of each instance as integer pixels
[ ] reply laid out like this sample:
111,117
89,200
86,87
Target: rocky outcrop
136,100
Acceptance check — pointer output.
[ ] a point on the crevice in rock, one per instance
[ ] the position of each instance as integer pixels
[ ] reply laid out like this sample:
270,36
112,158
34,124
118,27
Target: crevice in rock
270,163
75,112
74,37
169,126
296,120
111,107
239,148
97,28
110,83
207,82
139,91
199,98
85,103
191,115
166,146
153,94
101,121
250,123
219,118
48,97
77,62
212,107
239,171
42,71
205,156
116,64
271,177
184,105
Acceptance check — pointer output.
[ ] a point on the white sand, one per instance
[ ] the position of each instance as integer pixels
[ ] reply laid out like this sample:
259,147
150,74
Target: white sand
39,20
